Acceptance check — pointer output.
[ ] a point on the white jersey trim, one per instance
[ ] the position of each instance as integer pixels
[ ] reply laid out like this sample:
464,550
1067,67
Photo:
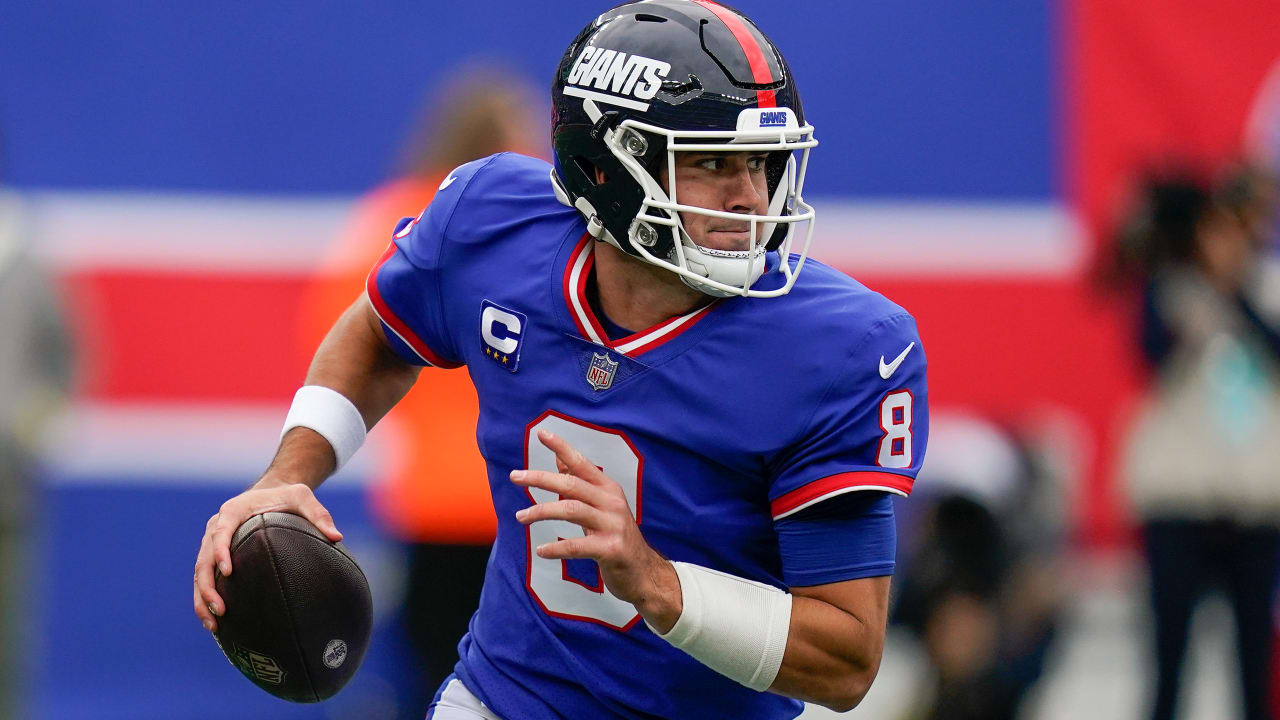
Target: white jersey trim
633,344
841,491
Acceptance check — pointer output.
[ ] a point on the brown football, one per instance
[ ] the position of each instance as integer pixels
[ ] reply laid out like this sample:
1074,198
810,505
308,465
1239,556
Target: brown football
298,609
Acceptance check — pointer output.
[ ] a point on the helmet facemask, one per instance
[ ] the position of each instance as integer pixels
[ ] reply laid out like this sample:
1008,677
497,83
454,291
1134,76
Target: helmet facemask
658,236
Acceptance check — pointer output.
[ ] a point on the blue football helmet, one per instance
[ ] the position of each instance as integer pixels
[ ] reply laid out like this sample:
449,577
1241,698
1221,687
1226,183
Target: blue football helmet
647,80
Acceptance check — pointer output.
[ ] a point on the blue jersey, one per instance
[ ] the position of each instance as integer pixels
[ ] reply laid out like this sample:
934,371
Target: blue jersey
716,424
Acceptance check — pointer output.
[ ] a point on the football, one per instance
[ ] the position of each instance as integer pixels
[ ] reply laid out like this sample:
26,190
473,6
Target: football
298,609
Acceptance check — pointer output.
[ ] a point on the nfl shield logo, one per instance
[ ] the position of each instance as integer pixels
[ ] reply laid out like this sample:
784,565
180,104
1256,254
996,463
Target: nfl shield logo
600,374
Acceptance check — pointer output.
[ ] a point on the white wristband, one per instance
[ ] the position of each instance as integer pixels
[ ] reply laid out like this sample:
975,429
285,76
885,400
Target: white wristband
732,625
331,414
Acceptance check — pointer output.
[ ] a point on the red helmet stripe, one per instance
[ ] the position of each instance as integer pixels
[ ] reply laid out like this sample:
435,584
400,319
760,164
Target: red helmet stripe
755,55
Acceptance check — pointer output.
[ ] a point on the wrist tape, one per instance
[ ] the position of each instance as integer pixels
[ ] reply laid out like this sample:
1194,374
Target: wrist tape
332,415
732,625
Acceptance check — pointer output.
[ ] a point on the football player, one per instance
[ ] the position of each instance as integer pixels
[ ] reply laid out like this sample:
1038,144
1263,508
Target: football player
691,446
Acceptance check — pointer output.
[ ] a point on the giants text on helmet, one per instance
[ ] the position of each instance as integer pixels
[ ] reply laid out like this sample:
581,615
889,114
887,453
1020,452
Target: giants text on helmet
618,72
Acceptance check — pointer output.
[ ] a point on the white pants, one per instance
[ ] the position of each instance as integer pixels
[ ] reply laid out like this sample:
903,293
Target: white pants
457,703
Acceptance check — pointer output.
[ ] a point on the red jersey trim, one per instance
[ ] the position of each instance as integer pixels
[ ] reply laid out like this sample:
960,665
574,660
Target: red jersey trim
833,485
398,326
576,273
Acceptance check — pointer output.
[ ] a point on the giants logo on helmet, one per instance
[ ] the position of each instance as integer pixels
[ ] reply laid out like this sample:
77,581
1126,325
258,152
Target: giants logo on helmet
618,73
774,118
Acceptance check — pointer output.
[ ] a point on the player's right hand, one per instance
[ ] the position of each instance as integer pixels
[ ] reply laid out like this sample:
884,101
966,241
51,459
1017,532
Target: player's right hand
215,547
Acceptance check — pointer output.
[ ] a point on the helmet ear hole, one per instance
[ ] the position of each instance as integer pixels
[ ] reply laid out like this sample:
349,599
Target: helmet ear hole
594,175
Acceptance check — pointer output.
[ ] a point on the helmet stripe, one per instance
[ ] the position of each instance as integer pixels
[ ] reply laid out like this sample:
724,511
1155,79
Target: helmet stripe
750,47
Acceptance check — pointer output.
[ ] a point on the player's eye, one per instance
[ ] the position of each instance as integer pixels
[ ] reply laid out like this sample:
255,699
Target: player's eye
711,162
756,163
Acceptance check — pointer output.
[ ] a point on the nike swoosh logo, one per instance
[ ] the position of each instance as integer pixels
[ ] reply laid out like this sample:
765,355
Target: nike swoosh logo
447,182
887,371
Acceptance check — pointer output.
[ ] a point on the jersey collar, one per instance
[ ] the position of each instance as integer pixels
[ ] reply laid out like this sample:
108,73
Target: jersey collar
576,272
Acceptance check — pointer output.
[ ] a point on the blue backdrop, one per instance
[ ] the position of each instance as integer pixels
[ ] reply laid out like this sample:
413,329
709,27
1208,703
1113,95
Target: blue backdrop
909,98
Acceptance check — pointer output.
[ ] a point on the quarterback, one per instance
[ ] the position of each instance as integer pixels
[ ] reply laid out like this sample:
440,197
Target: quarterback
691,444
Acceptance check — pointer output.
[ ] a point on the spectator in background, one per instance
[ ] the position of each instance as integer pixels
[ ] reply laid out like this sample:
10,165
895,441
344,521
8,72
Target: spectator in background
447,526
1251,193
980,583
1203,463
35,375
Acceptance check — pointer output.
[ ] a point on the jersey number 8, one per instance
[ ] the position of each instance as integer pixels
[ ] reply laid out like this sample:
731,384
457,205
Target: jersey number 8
895,422
549,580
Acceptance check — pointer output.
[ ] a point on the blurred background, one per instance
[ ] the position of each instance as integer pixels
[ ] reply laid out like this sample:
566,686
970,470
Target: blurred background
1074,198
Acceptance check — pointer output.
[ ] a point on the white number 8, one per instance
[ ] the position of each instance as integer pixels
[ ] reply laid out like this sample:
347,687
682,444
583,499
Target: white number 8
548,580
895,421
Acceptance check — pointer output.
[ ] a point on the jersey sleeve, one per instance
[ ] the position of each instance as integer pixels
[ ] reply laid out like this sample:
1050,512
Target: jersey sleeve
408,285
869,429
849,537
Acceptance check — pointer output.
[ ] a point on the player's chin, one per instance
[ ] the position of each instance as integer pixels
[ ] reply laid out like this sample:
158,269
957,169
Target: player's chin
729,240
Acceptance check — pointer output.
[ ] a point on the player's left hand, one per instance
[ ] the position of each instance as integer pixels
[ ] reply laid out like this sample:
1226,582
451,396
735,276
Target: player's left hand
631,569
